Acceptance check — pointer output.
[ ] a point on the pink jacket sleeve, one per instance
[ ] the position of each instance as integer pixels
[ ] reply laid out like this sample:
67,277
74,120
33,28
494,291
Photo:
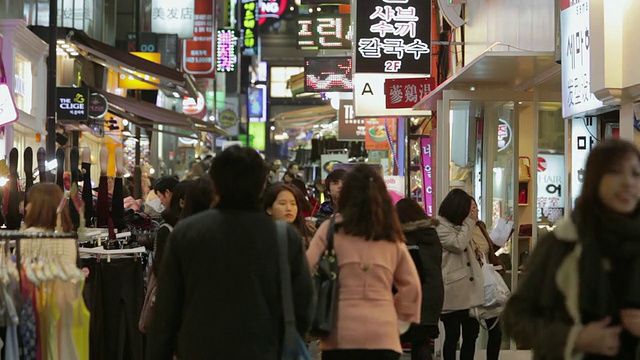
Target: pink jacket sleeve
408,299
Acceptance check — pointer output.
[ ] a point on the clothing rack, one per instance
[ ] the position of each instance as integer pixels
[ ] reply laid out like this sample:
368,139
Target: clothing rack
18,236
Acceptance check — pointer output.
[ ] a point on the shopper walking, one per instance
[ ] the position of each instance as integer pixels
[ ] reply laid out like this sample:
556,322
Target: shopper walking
333,184
461,272
372,258
219,291
485,248
425,249
285,203
580,296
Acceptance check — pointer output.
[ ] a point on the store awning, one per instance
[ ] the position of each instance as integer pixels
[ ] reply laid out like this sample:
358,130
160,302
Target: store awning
123,62
306,118
499,71
147,114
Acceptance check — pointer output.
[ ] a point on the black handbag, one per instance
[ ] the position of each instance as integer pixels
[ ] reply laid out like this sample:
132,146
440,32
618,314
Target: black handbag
326,282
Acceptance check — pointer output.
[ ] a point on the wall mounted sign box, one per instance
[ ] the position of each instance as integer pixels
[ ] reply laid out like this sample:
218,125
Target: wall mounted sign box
227,56
405,93
198,53
393,36
319,32
271,10
328,74
98,106
71,103
249,27
171,17
8,109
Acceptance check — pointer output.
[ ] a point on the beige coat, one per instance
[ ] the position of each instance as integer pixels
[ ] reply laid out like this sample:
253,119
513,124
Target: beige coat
461,271
368,312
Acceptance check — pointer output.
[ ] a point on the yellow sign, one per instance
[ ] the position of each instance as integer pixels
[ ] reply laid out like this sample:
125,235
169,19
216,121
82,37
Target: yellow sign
126,81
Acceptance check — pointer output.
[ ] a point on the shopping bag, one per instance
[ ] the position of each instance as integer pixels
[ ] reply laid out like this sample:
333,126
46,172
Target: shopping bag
496,294
502,232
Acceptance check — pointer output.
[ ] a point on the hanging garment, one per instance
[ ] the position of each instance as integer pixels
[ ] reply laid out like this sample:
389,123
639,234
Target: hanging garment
12,348
64,295
81,321
28,331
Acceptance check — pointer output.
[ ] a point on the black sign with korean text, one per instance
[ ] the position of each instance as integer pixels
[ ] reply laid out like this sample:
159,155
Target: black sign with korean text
333,31
249,26
72,103
328,74
393,36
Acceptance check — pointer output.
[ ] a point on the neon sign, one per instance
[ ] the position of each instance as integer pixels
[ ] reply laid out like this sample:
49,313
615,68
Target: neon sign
226,51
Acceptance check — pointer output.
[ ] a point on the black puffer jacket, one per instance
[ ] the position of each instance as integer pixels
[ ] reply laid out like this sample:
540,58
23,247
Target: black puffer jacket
425,248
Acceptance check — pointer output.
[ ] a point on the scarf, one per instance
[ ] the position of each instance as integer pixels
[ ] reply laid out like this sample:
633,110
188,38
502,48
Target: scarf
609,270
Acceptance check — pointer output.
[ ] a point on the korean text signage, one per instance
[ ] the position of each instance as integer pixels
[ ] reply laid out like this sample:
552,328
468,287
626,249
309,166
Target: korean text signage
172,17
583,139
227,57
551,187
72,103
328,74
349,128
405,93
393,36
369,96
249,26
324,32
376,137
427,173
576,60
198,53
8,109
131,82
98,106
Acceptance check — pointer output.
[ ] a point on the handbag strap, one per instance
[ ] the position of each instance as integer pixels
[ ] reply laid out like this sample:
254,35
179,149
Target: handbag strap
285,287
332,228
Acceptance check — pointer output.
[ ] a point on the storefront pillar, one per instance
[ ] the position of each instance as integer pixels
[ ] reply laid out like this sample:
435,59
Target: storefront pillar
627,132
11,9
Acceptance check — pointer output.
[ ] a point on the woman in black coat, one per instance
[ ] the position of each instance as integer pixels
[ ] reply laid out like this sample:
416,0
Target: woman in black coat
425,249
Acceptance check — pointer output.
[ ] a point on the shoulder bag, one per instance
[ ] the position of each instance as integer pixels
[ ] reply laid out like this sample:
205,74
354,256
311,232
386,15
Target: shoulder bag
496,294
326,283
293,347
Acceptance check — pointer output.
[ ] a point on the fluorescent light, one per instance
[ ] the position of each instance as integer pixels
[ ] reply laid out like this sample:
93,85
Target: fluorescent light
126,133
51,165
74,53
175,94
65,46
60,41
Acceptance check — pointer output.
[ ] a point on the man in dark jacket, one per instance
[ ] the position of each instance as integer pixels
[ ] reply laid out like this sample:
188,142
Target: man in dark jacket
333,184
219,292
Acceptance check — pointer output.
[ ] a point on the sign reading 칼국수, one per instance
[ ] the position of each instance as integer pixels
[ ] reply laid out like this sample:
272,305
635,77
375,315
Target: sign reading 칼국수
171,17
393,36
577,97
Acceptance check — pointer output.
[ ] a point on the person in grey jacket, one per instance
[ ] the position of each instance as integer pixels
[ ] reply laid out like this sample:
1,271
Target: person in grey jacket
425,249
461,272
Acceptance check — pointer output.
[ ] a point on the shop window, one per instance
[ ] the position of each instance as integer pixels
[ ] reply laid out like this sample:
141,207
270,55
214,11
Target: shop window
23,82
279,75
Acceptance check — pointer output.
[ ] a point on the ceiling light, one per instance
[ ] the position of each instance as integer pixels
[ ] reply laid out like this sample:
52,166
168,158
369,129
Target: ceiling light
126,133
69,49
473,88
65,46
60,41
273,128
73,53
292,8
310,10
318,9
175,94
125,122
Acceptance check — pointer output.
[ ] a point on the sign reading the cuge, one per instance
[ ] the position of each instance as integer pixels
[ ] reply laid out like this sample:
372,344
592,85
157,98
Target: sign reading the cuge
72,103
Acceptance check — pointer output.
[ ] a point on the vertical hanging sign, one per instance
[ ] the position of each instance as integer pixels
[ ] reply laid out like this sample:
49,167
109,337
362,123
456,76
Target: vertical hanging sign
427,181
393,36
249,26
198,53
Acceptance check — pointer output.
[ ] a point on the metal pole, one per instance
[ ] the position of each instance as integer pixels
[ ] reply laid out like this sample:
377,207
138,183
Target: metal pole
51,81
137,171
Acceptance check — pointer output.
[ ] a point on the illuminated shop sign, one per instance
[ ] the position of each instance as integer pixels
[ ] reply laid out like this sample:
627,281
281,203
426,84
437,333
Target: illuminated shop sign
198,53
405,93
171,17
72,103
324,32
226,56
249,27
130,82
393,36
328,74
271,9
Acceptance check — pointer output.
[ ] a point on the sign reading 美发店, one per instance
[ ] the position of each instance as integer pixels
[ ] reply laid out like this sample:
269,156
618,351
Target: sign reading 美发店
393,36
72,103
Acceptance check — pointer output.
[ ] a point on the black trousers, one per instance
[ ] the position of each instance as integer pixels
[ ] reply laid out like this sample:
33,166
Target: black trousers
421,337
453,322
114,293
360,355
494,343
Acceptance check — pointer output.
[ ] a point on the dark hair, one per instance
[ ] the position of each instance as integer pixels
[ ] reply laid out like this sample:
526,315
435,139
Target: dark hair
239,176
409,211
602,160
291,164
171,215
367,208
335,176
165,183
198,197
455,206
271,194
300,185
289,174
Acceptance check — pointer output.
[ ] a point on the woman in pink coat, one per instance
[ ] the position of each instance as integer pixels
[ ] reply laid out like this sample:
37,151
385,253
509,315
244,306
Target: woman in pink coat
372,259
